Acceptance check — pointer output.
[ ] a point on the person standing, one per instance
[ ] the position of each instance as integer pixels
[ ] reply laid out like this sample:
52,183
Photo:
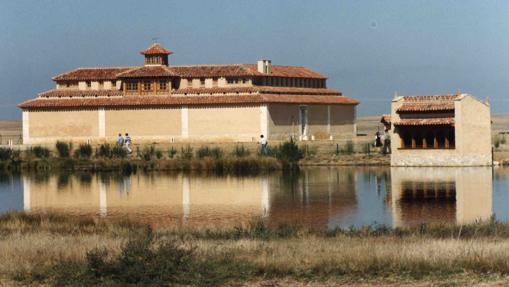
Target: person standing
128,143
263,145
120,140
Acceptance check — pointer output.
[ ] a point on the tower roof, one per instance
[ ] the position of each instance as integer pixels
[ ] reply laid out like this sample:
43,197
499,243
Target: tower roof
156,49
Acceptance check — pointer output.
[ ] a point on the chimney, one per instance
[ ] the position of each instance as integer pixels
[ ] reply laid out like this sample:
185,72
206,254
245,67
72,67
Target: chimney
264,66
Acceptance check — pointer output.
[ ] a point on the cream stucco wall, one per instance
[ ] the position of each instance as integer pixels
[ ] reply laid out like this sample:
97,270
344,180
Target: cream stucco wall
49,126
156,123
188,123
238,123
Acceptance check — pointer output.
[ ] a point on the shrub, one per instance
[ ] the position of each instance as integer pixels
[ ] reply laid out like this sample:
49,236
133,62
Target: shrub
172,152
209,152
241,151
118,151
104,151
159,154
148,152
5,153
144,262
40,152
349,147
287,152
63,149
187,152
83,151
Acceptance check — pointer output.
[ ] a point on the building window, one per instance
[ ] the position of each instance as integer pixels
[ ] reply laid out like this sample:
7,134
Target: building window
113,84
162,85
132,86
202,82
146,85
89,84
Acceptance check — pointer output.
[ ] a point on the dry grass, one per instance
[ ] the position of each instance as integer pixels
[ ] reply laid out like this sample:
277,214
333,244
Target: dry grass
31,247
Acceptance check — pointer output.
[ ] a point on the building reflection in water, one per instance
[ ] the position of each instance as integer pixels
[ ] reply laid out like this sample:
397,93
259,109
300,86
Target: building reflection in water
317,197
425,195
152,198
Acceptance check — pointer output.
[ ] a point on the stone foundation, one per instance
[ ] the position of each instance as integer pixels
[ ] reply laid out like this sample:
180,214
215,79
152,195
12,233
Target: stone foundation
441,160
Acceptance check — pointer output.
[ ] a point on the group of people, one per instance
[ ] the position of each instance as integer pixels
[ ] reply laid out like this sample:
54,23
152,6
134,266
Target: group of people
125,142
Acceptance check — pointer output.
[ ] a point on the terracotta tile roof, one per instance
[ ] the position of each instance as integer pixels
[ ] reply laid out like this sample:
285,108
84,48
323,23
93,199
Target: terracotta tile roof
207,71
386,119
156,49
147,71
181,100
425,122
287,71
78,93
433,98
56,93
198,71
242,70
428,103
90,74
426,106
258,89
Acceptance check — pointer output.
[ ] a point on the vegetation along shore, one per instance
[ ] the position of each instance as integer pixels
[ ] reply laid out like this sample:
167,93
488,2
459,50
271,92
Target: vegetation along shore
239,159
54,250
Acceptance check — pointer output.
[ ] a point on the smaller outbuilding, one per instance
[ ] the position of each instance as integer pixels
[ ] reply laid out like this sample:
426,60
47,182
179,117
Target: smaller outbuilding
440,130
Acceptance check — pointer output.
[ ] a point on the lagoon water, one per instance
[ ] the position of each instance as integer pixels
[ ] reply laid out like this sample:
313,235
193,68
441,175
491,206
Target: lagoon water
323,198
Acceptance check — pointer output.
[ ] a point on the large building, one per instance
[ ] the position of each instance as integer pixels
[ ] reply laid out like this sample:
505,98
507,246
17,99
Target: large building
444,130
163,102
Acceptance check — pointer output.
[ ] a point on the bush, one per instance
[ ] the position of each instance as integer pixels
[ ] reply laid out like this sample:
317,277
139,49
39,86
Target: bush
104,151
144,262
118,151
209,152
349,147
159,154
5,153
172,152
187,152
83,151
63,149
241,151
40,152
148,152
287,152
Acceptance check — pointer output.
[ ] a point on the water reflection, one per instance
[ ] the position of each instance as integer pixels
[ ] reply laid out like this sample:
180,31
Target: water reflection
317,197
457,195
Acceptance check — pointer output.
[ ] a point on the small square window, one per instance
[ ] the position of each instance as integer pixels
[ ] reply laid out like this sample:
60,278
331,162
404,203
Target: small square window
162,85
146,85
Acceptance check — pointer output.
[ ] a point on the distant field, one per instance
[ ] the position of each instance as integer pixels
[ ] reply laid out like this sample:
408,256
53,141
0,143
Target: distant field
10,130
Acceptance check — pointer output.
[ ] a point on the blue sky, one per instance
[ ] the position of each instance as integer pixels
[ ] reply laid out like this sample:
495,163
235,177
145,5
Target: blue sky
368,49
